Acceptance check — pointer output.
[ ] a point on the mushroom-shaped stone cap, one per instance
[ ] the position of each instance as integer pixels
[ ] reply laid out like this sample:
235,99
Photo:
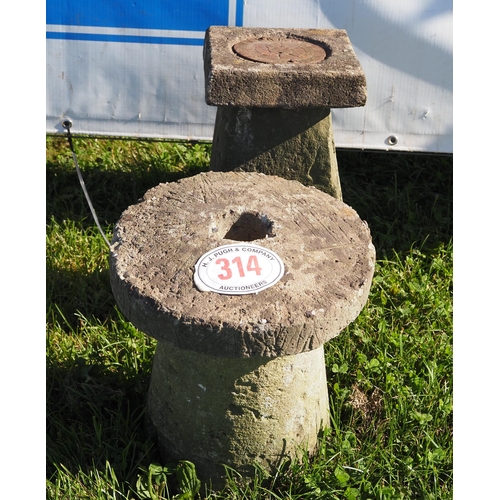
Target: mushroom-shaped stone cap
282,68
325,247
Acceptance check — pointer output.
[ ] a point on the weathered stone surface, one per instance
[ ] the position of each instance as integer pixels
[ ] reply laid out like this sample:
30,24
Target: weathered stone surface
295,144
338,81
234,411
283,51
325,247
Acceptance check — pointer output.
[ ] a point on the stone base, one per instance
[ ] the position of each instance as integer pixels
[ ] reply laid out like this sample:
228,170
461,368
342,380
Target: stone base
295,144
215,411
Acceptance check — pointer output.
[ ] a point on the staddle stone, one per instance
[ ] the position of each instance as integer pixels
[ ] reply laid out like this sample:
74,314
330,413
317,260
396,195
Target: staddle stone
239,379
273,88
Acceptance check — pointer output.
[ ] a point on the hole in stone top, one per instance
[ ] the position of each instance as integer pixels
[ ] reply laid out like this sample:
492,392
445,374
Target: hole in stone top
250,226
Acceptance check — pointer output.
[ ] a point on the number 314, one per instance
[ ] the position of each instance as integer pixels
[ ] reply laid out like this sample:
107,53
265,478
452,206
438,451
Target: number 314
252,266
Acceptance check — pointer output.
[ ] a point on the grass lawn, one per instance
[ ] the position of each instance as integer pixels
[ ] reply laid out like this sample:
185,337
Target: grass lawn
389,372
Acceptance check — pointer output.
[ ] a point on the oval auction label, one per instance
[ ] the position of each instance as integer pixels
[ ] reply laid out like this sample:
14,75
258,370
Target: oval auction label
238,269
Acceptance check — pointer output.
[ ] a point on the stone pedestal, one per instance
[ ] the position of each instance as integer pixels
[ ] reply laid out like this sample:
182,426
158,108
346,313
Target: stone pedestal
236,411
274,89
295,144
239,378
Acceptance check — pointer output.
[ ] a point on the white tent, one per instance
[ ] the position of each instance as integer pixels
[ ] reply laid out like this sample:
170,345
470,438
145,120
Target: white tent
135,68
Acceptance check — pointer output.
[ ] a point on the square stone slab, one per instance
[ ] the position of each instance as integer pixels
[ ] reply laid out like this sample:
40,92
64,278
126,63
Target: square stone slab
282,68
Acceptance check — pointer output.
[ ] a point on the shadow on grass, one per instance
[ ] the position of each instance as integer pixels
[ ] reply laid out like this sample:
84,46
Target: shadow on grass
95,416
110,191
75,292
405,198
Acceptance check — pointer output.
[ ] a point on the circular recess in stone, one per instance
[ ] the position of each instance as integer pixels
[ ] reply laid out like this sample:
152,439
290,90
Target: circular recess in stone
288,51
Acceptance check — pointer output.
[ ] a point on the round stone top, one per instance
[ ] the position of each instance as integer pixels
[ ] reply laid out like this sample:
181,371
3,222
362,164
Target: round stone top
288,51
325,247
